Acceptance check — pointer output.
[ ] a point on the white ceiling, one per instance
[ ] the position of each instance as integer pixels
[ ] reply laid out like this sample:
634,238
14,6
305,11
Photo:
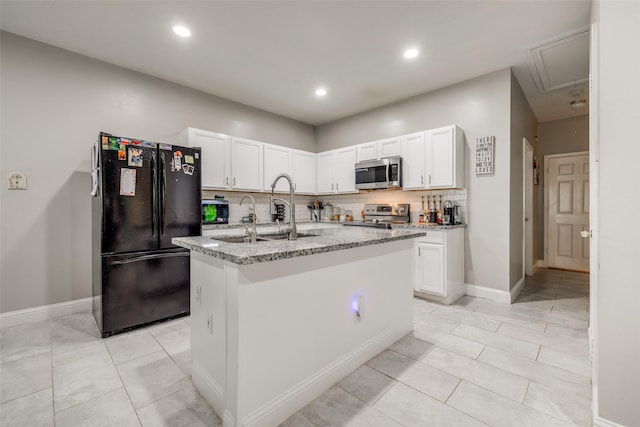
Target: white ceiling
273,54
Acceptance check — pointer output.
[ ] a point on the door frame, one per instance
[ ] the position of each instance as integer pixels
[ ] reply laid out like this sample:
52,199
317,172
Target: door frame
594,197
548,157
527,216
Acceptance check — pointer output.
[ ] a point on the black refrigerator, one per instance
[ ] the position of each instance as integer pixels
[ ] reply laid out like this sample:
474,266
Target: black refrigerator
144,193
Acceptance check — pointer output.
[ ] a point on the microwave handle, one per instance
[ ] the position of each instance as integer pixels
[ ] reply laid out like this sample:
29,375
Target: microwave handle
388,172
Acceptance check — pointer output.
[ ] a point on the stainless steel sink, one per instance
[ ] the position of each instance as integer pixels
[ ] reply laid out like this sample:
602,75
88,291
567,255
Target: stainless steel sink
260,238
283,236
237,239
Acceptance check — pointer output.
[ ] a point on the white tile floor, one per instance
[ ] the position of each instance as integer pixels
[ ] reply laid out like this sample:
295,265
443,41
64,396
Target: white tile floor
474,363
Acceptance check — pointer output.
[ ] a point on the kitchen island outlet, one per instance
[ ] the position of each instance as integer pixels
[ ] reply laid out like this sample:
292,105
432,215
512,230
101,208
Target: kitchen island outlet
276,323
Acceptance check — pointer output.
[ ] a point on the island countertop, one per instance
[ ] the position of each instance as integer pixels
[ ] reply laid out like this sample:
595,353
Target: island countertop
323,240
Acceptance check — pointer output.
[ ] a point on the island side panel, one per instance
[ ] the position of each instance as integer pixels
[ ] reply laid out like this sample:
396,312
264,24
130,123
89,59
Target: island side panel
298,332
208,328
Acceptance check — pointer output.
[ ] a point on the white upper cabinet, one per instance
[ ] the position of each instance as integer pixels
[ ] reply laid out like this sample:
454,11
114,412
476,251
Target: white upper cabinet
304,171
325,181
434,159
345,170
413,162
367,151
445,157
391,147
215,155
336,171
246,164
277,160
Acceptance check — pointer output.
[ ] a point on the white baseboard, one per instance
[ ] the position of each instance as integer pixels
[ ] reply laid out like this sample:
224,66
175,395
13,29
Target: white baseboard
515,291
45,312
209,388
601,422
488,293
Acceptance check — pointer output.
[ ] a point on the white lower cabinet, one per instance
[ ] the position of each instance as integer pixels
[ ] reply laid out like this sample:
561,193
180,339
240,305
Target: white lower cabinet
440,265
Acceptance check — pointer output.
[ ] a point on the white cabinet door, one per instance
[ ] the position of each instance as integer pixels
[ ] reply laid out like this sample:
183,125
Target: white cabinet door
277,160
215,155
431,269
246,164
434,159
304,171
391,147
445,152
336,171
344,170
367,151
413,162
326,183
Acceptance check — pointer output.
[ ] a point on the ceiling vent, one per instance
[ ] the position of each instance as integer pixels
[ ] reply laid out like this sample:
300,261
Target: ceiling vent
561,62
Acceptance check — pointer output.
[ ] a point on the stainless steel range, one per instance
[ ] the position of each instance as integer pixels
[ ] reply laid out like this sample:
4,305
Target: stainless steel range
384,215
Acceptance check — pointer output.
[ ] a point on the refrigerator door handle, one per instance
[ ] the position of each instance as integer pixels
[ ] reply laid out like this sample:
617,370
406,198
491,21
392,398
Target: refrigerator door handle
162,192
154,193
148,257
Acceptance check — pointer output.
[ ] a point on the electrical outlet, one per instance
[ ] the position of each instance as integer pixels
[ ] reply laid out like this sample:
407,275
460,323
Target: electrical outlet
199,294
210,324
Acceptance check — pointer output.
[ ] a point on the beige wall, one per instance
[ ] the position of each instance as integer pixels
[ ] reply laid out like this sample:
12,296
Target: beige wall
523,125
481,107
616,142
54,103
555,137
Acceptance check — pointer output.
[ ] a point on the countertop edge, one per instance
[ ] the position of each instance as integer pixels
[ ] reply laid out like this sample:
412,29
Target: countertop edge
185,242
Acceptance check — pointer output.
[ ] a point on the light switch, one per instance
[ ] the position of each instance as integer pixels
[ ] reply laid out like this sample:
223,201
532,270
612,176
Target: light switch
17,181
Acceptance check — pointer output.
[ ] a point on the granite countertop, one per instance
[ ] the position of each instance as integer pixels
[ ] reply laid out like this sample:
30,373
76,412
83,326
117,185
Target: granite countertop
324,240
425,226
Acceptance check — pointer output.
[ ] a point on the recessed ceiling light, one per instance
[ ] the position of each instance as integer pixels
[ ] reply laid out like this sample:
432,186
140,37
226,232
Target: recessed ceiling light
181,31
411,53
321,92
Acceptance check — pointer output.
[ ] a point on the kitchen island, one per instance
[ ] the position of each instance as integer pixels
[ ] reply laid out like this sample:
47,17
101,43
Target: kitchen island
276,323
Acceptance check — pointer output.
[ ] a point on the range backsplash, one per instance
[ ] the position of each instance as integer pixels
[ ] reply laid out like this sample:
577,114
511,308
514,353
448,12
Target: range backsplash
353,202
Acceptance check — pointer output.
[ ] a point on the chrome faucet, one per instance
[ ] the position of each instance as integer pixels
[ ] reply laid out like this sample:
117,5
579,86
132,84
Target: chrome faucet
293,232
252,233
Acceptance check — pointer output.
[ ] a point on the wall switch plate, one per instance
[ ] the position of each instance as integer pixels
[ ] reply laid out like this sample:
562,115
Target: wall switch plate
17,181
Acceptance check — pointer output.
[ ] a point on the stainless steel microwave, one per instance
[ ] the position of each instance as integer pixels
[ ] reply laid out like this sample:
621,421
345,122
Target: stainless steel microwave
382,173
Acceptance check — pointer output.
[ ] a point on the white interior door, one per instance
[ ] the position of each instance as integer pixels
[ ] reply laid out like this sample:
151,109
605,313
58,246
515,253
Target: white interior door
568,211
528,207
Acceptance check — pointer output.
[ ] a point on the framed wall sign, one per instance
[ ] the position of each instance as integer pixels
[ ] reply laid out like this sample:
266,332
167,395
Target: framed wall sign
485,148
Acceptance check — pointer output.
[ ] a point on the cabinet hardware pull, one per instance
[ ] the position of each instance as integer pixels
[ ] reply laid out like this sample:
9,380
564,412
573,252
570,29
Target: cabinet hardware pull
421,179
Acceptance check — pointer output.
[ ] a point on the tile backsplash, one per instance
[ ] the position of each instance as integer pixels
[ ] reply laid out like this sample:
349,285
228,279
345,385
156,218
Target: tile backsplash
353,202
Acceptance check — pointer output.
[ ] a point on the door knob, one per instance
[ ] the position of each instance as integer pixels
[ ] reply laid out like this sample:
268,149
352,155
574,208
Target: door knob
585,234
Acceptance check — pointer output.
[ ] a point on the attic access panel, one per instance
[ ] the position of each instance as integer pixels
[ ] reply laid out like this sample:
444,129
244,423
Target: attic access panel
561,62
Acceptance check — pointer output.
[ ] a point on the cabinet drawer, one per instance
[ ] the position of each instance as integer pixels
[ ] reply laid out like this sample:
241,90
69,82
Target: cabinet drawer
433,237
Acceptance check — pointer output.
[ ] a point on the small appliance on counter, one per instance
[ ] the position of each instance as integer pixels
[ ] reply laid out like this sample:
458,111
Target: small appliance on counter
215,211
383,215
